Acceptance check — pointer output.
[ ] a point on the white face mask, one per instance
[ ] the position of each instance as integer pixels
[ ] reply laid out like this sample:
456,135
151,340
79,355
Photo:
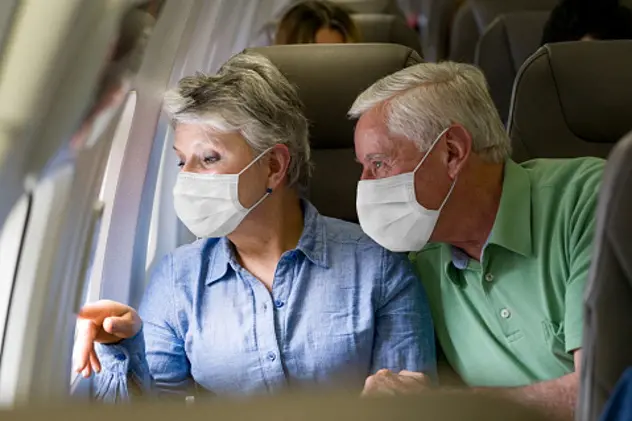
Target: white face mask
208,204
390,214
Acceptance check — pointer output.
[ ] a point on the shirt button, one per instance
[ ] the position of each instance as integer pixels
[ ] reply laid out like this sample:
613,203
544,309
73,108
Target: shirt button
271,356
120,357
279,303
505,313
489,277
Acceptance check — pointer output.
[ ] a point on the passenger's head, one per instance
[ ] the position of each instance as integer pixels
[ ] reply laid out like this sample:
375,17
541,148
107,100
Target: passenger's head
401,116
321,22
248,112
581,20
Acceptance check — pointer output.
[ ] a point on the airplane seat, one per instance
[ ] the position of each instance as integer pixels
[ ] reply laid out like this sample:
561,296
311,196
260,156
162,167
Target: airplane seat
329,77
434,27
607,343
382,7
572,99
386,28
474,16
502,49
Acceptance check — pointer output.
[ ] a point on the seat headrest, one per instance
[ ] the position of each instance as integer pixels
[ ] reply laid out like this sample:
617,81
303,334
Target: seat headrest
485,11
503,48
386,28
329,77
572,99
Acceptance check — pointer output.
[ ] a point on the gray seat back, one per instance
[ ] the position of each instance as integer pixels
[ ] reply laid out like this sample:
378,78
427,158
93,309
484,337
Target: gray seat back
329,77
434,27
572,99
503,48
386,28
607,341
474,16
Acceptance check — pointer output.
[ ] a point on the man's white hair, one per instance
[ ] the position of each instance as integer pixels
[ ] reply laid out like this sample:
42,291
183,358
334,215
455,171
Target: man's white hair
424,99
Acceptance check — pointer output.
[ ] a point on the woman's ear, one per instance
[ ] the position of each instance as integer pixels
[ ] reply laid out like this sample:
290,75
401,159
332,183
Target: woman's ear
459,146
278,164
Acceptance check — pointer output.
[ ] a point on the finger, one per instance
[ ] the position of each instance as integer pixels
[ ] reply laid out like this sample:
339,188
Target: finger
414,374
382,383
100,308
94,361
122,327
86,332
86,371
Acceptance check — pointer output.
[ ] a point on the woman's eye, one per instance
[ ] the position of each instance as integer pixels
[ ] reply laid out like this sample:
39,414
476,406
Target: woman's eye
211,159
180,164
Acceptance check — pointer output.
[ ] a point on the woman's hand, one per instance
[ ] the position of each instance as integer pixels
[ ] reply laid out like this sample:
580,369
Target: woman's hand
105,322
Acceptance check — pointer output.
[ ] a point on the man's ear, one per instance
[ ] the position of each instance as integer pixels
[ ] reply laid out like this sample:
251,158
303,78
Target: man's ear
278,164
459,147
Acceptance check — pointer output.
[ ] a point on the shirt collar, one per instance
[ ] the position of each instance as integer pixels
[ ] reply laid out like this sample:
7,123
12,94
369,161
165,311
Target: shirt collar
512,227
313,244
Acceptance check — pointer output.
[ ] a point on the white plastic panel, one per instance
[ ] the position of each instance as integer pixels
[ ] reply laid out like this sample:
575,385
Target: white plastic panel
11,238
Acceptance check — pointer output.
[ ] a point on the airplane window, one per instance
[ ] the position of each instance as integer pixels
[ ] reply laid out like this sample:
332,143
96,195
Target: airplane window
11,237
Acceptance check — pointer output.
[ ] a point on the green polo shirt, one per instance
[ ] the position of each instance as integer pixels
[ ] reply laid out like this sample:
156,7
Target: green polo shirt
515,317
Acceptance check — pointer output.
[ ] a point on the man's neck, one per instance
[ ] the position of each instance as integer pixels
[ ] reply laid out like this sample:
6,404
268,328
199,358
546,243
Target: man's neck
477,211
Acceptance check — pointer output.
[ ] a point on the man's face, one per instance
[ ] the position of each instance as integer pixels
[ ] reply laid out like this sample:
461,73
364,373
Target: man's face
385,155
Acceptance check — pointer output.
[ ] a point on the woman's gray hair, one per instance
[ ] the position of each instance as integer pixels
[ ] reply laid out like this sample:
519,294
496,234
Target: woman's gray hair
422,100
248,95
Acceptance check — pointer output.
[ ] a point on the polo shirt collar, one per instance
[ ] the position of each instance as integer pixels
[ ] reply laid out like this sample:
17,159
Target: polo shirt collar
512,227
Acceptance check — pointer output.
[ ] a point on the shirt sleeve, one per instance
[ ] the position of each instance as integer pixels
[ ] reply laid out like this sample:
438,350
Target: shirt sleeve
582,230
153,362
404,334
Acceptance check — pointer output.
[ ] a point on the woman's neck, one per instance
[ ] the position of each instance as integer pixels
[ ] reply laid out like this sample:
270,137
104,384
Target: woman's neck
270,230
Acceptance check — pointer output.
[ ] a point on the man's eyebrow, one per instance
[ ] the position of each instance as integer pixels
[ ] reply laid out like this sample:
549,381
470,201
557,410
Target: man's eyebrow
374,155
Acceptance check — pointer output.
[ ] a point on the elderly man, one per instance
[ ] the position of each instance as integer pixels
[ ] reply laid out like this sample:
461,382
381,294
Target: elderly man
510,243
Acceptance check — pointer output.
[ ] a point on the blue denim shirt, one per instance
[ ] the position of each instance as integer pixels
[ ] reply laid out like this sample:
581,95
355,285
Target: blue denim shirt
341,308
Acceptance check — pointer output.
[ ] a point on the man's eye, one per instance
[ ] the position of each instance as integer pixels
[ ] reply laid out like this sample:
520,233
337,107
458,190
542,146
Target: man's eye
378,164
180,164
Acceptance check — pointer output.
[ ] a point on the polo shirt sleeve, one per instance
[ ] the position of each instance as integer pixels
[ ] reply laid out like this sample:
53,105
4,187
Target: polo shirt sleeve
582,230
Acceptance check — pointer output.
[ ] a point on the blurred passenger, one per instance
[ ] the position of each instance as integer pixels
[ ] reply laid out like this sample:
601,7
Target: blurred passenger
510,243
585,20
320,22
273,295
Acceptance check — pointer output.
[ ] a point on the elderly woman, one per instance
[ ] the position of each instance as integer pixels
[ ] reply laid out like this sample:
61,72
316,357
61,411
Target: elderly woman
272,295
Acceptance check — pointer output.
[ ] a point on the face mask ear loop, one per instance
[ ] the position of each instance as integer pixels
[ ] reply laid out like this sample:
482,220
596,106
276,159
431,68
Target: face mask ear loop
431,148
255,160
449,194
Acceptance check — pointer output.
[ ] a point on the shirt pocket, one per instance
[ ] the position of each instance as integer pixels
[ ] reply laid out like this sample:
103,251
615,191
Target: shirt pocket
555,340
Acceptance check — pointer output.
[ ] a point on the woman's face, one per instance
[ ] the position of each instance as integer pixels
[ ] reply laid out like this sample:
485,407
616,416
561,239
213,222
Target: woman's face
326,35
203,151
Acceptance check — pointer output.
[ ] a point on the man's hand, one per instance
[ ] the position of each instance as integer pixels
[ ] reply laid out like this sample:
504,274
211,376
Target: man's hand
387,383
104,322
